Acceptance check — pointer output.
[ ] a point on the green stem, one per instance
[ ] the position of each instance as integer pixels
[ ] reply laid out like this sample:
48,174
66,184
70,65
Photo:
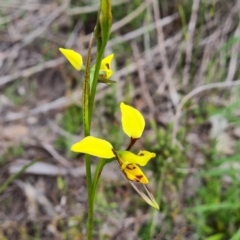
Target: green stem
90,202
91,188
93,185
96,177
86,124
95,77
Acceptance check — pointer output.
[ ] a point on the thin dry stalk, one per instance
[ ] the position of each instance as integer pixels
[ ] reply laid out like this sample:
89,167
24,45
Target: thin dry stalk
142,78
121,23
189,42
163,55
234,57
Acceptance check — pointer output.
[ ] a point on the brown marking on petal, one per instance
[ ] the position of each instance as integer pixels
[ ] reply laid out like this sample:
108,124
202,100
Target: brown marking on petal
137,180
142,154
130,167
134,167
107,65
139,176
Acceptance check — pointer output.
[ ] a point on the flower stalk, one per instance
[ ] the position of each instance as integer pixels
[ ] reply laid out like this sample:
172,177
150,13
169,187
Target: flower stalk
86,124
89,91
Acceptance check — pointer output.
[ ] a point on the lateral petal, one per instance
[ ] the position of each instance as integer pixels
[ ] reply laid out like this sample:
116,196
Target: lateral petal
133,122
94,146
73,57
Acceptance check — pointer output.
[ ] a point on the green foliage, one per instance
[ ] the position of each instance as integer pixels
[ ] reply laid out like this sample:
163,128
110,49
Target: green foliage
72,119
144,232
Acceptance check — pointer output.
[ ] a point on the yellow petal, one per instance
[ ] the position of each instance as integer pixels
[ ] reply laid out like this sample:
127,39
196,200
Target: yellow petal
73,57
133,122
141,159
134,173
106,66
94,146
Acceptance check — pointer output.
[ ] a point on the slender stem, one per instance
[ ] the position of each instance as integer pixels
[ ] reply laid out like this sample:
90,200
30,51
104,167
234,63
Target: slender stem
87,127
100,165
96,177
90,197
95,78
132,142
90,203
92,186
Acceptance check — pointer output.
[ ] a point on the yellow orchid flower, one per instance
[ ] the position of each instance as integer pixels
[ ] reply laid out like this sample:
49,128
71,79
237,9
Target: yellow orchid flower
73,57
76,61
133,125
106,66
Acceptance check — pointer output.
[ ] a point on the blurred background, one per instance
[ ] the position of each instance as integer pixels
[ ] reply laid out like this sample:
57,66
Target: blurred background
176,61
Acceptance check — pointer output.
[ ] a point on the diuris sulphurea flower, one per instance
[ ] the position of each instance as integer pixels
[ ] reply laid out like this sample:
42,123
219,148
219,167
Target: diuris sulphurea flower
76,61
133,125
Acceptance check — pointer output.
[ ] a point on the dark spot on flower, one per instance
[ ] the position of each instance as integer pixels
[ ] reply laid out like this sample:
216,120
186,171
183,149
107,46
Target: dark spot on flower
130,167
137,180
141,154
139,176
107,65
